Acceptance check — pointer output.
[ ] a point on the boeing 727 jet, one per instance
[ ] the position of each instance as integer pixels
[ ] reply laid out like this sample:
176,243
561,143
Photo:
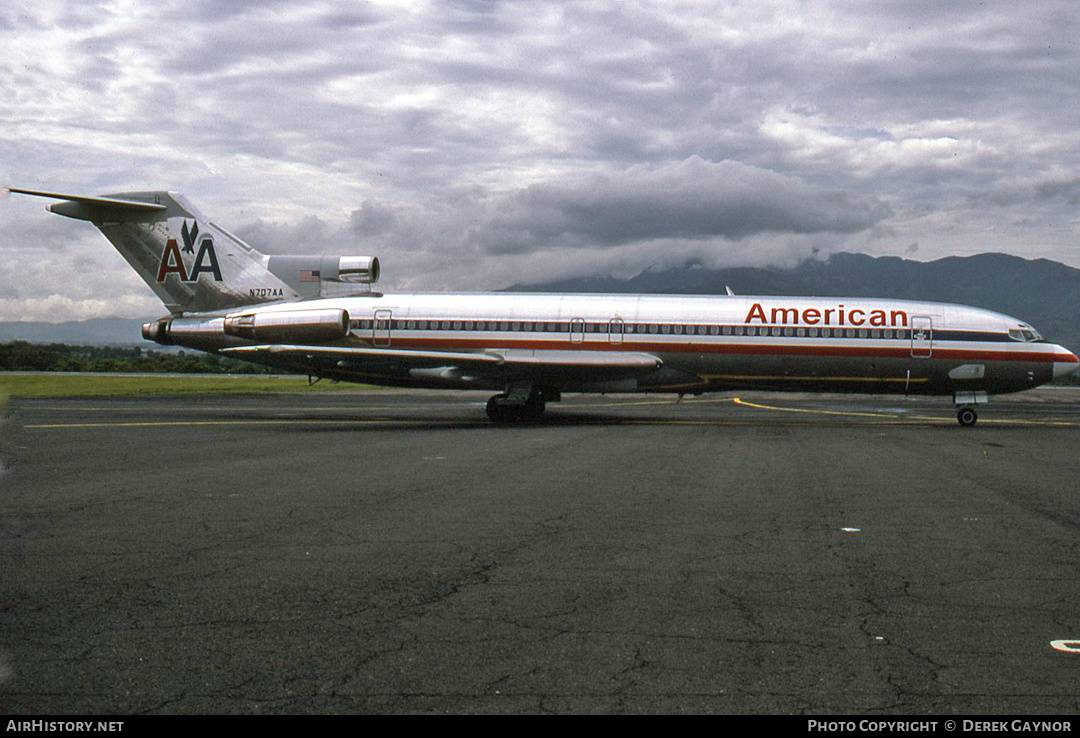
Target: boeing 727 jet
319,315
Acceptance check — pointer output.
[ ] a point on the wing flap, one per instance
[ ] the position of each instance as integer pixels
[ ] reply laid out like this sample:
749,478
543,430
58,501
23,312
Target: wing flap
360,355
603,364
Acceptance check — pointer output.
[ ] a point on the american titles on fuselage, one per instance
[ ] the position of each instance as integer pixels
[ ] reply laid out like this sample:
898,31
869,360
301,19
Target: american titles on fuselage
825,316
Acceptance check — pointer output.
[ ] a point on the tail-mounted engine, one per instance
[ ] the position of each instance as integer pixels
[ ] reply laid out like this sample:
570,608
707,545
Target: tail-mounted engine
280,326
326,276
290,326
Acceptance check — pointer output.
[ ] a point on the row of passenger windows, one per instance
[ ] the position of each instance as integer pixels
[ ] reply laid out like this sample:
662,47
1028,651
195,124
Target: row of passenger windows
627,328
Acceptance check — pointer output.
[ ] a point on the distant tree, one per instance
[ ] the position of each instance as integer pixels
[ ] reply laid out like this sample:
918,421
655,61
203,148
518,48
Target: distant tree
21,356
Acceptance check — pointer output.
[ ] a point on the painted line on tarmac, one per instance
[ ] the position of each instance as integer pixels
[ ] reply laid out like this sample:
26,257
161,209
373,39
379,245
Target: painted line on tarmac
266,421
673,403
884,416
845,413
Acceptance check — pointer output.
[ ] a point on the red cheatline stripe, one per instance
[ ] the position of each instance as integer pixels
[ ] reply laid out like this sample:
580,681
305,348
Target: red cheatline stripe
939,350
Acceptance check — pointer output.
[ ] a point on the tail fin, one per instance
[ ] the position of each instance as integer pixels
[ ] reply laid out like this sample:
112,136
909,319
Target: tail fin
188,261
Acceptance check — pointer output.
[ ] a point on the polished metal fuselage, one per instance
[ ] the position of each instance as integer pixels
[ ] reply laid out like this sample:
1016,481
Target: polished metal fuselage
705,343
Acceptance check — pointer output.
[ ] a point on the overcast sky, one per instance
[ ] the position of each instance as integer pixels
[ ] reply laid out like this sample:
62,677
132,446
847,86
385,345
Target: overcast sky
472,145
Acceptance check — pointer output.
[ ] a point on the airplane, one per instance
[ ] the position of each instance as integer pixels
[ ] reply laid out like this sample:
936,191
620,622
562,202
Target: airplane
319,315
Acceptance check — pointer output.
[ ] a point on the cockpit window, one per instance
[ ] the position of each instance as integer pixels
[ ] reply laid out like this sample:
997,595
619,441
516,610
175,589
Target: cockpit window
1025,333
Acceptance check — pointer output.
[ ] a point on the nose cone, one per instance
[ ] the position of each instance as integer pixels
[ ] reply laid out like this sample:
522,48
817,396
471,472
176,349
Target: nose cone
1065,363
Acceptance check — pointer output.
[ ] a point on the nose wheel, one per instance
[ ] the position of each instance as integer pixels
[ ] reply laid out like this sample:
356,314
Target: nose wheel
967,416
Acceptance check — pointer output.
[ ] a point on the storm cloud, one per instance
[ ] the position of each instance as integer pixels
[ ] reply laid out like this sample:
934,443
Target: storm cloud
693,199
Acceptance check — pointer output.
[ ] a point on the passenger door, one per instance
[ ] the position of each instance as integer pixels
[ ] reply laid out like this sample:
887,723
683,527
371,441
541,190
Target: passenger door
381,328
922,337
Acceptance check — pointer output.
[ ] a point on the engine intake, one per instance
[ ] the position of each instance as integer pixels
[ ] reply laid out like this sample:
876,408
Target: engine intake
358,269
305,274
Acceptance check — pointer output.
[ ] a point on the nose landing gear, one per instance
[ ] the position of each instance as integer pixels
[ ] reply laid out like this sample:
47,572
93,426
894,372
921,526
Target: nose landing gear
967,416
965,406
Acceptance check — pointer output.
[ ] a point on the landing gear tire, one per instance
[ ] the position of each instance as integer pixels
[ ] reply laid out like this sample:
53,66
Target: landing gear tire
497,412
967,416
533,409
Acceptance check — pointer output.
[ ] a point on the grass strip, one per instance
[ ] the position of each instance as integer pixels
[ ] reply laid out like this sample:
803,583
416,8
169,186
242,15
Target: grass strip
17,385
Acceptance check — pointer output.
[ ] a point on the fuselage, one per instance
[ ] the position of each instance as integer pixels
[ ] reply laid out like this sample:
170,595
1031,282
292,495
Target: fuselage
705,343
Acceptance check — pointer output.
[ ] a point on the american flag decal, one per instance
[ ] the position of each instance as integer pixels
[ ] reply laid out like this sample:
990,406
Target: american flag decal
309,275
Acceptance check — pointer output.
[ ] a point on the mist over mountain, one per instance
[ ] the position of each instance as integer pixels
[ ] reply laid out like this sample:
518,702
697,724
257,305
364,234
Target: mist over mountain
93,332
1041,292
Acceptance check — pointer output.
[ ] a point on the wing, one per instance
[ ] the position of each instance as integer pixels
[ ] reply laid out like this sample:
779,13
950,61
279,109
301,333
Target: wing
564,369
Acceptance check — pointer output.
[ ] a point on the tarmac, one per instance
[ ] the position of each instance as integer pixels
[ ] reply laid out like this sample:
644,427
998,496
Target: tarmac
394,552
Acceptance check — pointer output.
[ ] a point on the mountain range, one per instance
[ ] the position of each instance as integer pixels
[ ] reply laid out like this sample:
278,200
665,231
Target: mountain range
1041,292
92,332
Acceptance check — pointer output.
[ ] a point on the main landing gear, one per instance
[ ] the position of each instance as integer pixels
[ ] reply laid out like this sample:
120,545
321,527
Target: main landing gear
519,405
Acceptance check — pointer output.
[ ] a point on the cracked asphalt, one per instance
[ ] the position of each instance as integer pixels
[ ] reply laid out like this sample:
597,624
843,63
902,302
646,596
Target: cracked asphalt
394,552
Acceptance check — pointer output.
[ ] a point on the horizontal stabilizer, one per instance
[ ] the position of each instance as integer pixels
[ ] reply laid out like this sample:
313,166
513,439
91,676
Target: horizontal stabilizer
94,208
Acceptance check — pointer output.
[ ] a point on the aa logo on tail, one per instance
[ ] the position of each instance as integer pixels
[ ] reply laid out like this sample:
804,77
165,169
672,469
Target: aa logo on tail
172,259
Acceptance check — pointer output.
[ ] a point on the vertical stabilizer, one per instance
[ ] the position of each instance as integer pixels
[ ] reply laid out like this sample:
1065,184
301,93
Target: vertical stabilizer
190,263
